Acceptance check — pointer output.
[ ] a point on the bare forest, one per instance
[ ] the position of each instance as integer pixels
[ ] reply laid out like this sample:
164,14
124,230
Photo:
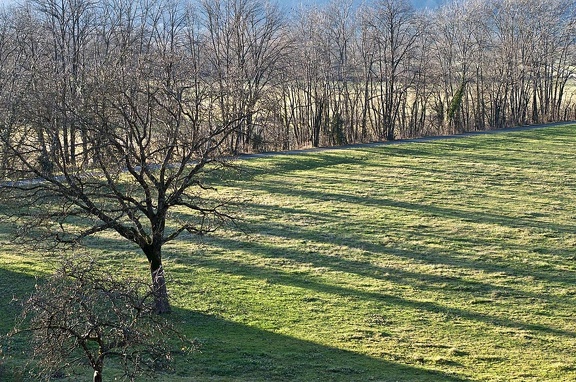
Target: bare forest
275,78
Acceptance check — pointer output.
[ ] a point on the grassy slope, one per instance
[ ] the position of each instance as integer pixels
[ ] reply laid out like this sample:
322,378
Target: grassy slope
447,260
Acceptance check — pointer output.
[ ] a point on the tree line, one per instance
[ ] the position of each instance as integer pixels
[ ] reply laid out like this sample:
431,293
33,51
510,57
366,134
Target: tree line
315,76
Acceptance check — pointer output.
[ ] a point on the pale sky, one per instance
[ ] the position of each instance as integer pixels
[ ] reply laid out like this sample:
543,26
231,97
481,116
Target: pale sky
416,3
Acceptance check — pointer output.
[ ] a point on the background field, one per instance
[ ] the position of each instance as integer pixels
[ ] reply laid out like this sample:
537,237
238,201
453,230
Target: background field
451,260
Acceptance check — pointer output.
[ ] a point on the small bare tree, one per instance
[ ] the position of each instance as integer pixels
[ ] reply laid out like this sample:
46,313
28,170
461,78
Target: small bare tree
82,314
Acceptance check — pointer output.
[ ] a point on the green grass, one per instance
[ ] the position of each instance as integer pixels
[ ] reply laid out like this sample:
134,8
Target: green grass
452,260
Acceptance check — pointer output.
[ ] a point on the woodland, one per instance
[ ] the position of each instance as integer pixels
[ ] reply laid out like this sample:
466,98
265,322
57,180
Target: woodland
284,78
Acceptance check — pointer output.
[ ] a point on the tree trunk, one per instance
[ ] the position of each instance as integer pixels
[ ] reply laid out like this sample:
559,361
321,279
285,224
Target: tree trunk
161,303
154,254
317,123
97,376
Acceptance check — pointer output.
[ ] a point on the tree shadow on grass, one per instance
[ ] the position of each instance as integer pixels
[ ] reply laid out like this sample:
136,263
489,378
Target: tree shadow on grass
316,232
468,216
286,188
14,287
236,352
305,281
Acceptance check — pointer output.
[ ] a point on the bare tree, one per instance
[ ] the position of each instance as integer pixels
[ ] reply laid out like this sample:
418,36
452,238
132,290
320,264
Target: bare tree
8,48
245,45
151,134
83,314
552,62
395,31
68,25
312,63
458,48
19,52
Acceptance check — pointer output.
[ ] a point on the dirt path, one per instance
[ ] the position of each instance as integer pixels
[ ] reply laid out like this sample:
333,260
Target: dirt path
404,141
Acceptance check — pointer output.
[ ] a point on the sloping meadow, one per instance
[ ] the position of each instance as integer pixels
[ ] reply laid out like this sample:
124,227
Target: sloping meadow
452,259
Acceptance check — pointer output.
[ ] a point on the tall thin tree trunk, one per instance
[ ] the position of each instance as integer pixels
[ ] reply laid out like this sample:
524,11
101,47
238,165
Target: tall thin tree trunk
317,123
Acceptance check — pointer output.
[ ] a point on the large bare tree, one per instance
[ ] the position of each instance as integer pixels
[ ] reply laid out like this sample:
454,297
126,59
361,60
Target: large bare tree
150,131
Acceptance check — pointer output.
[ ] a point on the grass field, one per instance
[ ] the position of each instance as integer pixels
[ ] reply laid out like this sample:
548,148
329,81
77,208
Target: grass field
452,260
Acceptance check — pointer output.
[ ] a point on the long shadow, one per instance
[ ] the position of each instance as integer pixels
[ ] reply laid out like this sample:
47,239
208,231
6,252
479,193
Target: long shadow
421,209
366,268
433,148
307,282
234,351
369,270
423,255
14,287
286,163
284,188
508,160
